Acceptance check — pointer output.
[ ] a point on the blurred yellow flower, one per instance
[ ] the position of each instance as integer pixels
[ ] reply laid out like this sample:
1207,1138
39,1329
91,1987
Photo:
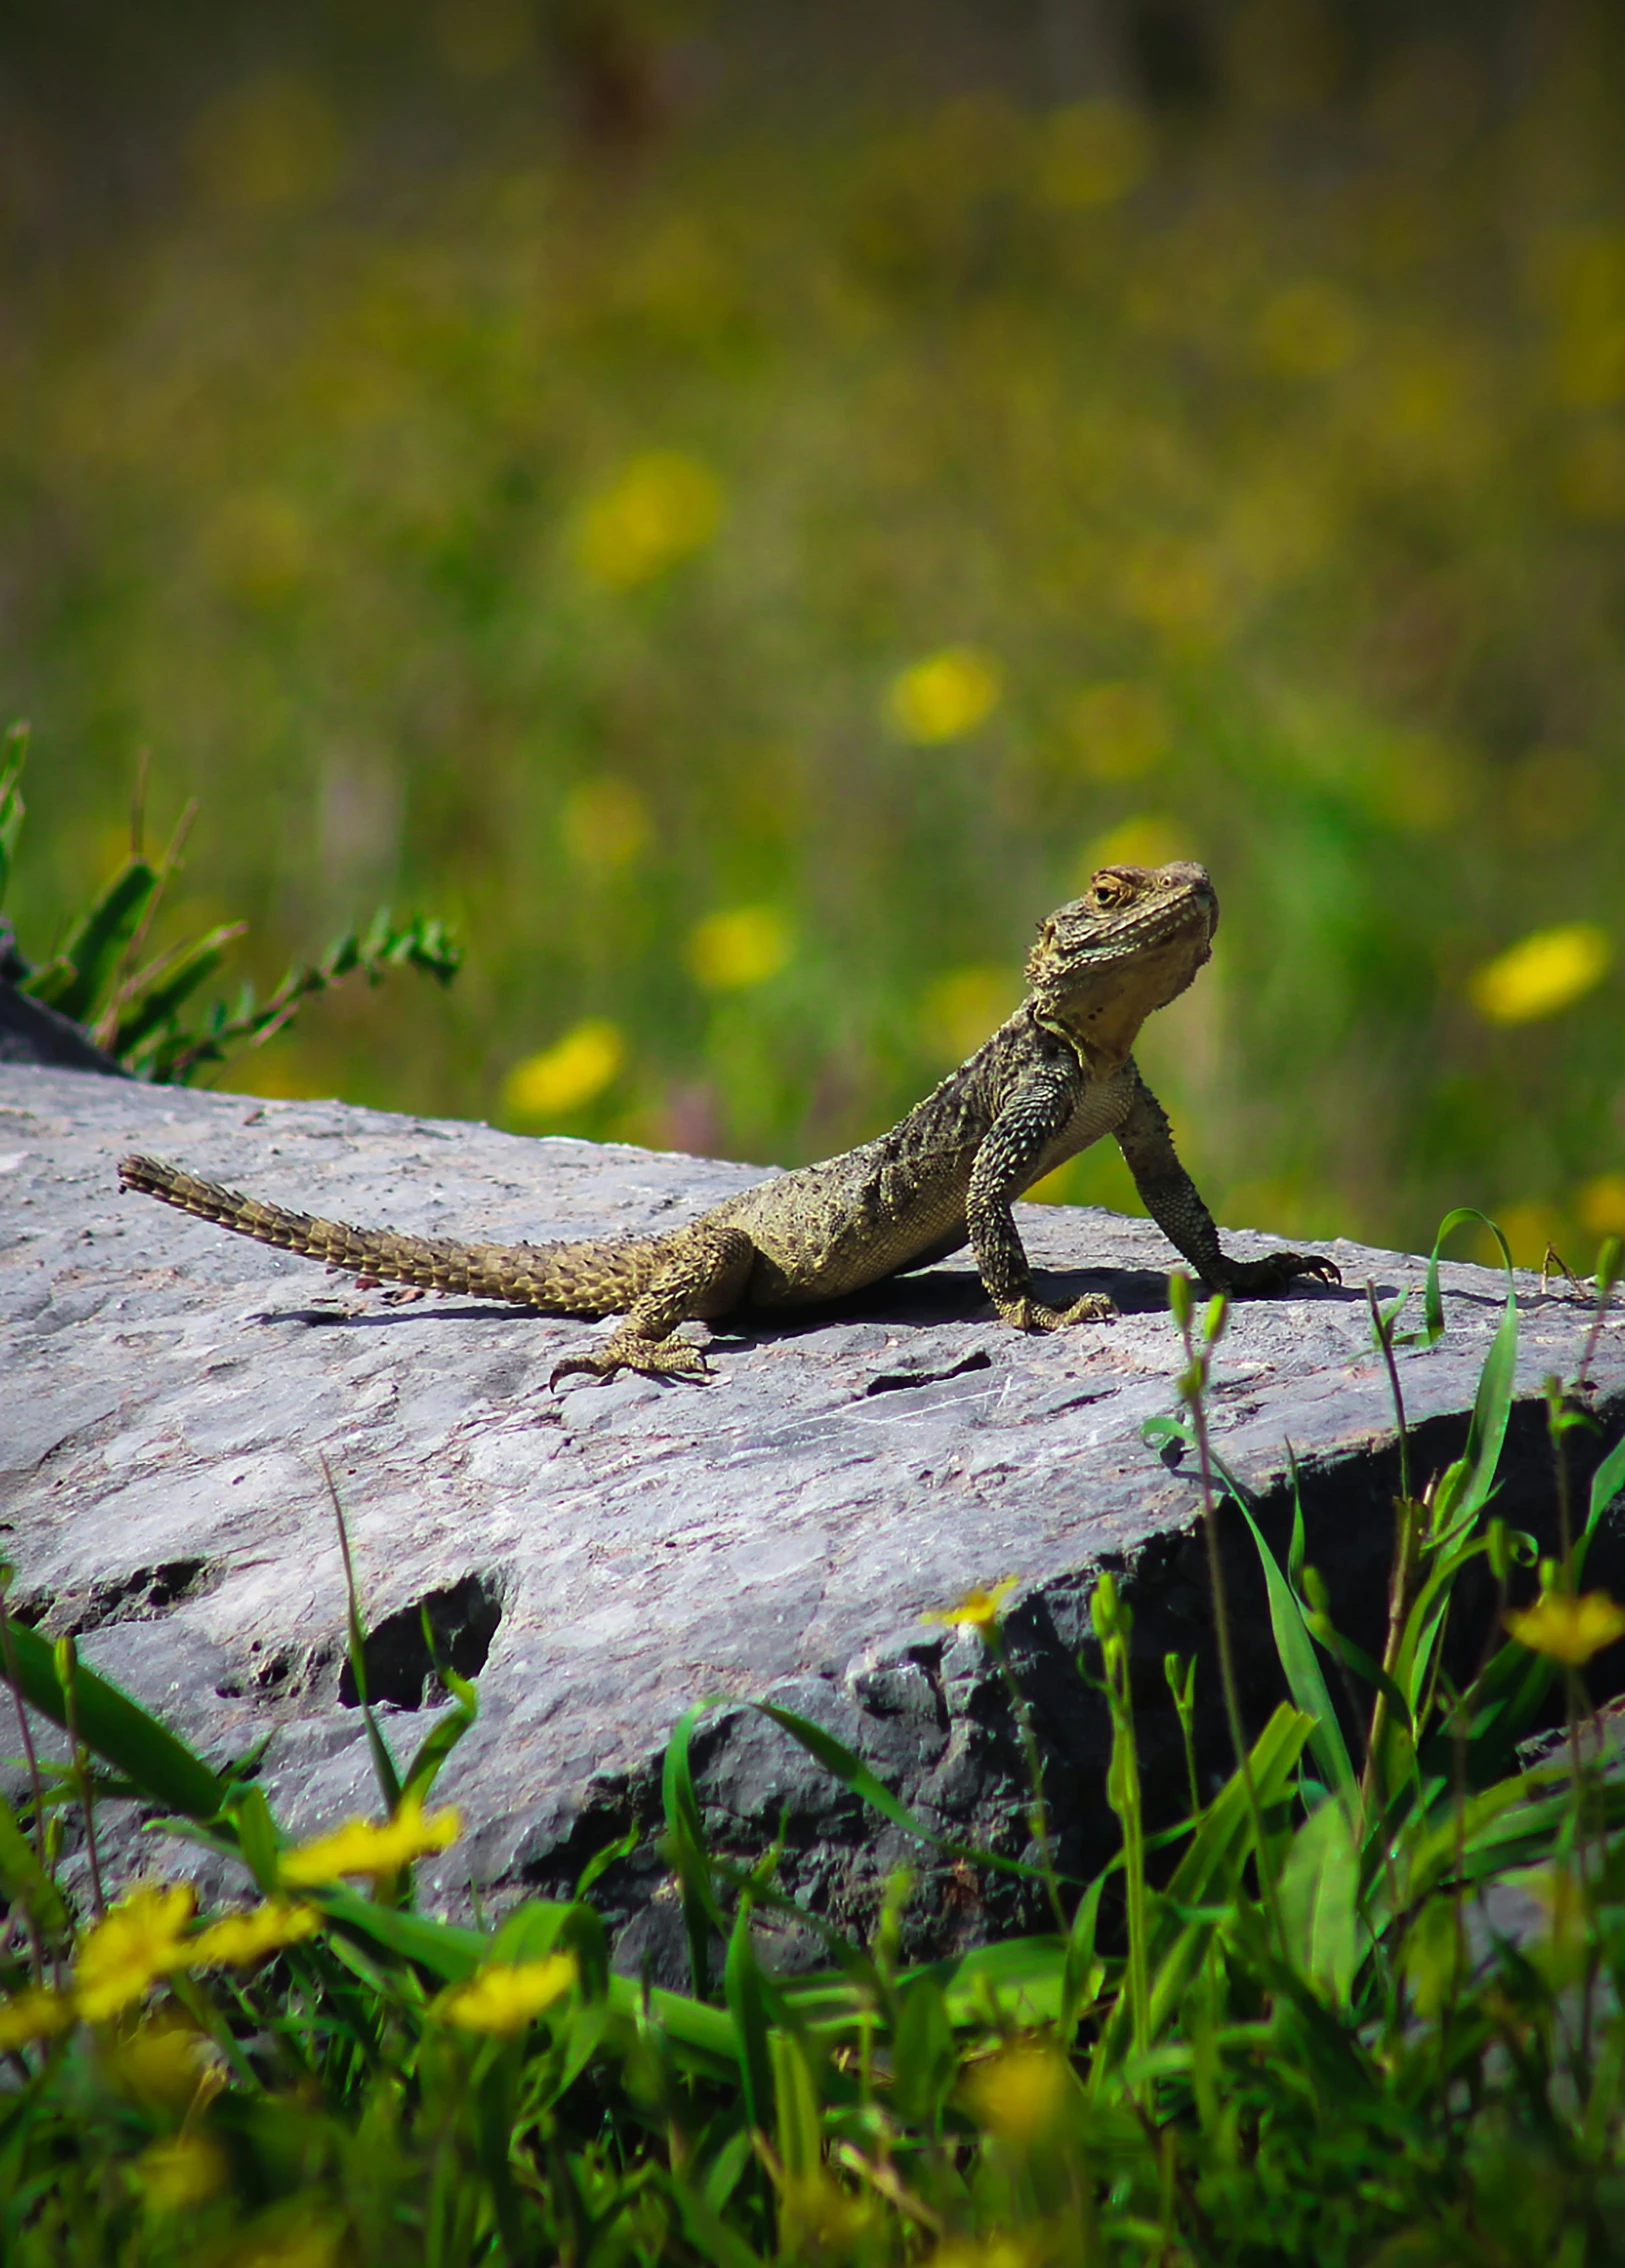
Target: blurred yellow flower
1308,331
1148,839
977,1610
363,1846
36,2014
289,2237
963,1007
657,510
605,824
729,951
945,696
180,2172
1542,973
163,2064
135,1942
1020,2095
1568,1630
1121,730
571,1073
238,1940
1092,154
506,1998
1601,1205
1531,1229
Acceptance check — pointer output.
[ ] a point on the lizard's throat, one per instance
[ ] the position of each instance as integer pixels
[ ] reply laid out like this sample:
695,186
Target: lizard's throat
1102,1020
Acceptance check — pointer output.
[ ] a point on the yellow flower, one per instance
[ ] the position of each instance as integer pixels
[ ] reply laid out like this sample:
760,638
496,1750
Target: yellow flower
945,696
1093,153
1021,2093
573,1072
237,1940
184,2171
36,2014
1146,840
727,952
1601,1205
362,1847
1543,972
289,2237
977,1610
1569,1630
163,2062
657,510
505,1998
137,1941
964,1006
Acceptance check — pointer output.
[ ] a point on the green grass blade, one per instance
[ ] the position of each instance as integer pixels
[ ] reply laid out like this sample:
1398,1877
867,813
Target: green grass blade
745,1994
13,756
74,982
855,1775
1300,1663
25,1881
1606,1483
118,1730
685,1835
1318,1890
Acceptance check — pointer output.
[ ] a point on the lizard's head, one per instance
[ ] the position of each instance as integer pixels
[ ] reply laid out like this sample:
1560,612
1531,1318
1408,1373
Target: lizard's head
1131,943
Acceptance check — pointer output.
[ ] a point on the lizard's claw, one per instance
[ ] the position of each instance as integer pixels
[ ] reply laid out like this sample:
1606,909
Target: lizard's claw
1279,1269
1033,1315
627,1350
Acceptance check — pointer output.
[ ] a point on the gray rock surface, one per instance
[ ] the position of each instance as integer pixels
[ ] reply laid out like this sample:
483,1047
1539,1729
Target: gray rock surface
604,1557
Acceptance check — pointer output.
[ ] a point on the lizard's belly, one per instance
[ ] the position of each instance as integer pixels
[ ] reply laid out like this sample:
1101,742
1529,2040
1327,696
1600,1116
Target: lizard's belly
848,1229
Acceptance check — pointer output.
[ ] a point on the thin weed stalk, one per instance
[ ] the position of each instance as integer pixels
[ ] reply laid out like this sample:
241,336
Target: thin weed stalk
1193,1392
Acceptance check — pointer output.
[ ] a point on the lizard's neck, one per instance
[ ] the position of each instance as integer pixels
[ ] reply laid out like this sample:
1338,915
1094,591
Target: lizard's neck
1100,1020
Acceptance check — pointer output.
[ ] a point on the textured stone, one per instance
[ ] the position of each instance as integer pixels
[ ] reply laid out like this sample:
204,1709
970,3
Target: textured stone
604,1557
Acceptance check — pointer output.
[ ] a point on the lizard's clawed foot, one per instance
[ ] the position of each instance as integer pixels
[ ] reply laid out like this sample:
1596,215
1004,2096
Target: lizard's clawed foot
627,1350
1033,1315
1279,1269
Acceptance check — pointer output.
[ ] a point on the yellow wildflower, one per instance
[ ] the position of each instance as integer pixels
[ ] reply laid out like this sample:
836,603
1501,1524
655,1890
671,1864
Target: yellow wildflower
1020,2094
238,1940
505,1997
183,2171
136,1941
1148,839
1568,1630
571,1073
659,508
361,1846
945,696
978,1610
1543,972
163,2063
37,2014
730,951
964,1006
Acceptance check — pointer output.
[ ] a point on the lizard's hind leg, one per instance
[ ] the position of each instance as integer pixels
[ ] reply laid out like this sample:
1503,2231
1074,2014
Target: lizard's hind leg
704,1278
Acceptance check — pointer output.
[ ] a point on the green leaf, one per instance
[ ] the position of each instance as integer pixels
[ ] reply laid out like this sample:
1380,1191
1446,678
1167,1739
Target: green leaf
1318,1892
118,1730
1606,1483
73,983
1300,1663
685,1837
25,1881
745,1992
13,755
154,998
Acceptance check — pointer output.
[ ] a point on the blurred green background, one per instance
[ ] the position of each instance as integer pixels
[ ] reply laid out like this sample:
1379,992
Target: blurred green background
738,508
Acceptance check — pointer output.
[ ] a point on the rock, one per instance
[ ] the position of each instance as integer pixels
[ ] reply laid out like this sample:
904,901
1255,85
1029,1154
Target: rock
603,1558
33,1033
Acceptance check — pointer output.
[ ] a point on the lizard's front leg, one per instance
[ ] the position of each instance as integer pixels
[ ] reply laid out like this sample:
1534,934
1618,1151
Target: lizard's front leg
705,1277
1042,1103
1174,1203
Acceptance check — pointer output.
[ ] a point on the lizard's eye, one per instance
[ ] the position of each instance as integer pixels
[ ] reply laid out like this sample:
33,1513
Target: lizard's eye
1109,890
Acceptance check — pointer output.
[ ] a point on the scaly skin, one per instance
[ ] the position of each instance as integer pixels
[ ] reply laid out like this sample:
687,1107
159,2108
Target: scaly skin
1051,1081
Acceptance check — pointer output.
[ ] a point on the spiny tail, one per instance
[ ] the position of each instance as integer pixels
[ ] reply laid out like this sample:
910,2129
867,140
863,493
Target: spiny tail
562,1279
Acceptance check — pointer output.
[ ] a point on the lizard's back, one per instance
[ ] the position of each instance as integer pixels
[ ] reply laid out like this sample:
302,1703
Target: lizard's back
898,1202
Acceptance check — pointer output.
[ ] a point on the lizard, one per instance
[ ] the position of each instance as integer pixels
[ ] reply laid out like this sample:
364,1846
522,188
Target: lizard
1054,1078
